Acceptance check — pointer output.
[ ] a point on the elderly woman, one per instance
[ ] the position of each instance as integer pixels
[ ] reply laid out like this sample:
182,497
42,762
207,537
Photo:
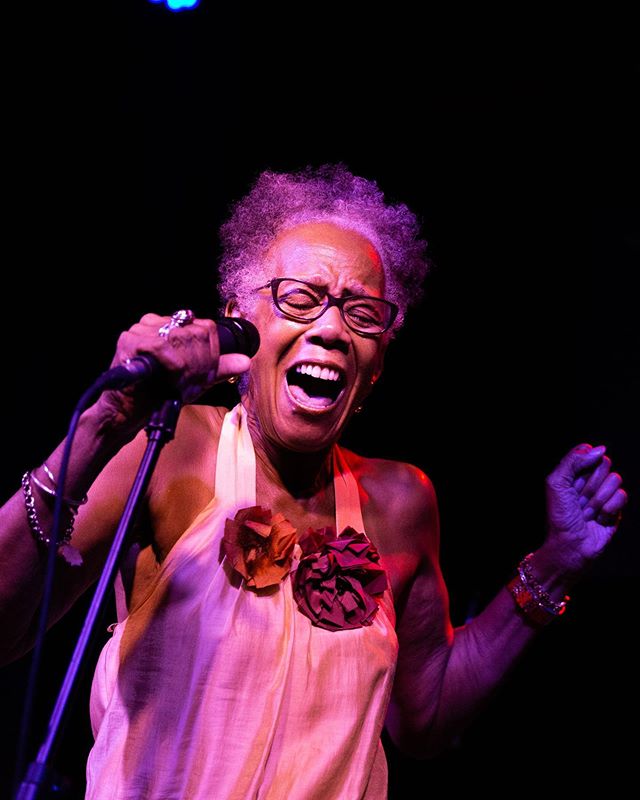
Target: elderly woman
272,615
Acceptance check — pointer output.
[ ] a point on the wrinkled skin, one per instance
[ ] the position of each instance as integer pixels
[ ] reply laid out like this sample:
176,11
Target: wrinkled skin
584,502
191,361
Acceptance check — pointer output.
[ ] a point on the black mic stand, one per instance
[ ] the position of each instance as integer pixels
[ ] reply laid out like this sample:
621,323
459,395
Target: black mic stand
160,430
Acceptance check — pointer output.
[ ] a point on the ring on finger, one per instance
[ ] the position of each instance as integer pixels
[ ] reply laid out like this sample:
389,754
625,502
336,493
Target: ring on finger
178,320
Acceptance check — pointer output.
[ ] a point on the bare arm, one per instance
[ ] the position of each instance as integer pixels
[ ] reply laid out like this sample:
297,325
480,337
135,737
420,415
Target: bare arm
106,451
101,467
446,676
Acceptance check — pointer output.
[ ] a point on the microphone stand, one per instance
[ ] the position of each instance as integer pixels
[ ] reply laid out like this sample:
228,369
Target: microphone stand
160,430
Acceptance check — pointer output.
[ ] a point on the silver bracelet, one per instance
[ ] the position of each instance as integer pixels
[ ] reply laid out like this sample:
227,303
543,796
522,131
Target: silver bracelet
537,591
53,492
40,485
32,515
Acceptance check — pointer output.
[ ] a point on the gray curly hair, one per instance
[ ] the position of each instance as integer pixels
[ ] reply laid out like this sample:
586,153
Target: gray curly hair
330,193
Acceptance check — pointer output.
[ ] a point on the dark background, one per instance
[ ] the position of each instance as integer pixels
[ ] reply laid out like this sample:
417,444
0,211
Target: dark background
131,130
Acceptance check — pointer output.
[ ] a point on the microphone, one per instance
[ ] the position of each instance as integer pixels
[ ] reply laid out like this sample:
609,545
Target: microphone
235,335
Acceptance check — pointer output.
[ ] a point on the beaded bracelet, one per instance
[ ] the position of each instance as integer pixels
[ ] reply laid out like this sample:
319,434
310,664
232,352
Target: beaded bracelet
69,553
531,598
545,600
32,514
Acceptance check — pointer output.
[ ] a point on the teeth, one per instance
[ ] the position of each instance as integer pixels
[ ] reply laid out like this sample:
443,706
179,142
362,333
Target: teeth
324,373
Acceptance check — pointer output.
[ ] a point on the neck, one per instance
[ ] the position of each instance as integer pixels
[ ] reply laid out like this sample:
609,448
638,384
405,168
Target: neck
302,475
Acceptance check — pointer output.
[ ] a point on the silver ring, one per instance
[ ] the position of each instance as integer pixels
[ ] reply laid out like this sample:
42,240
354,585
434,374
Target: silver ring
178,320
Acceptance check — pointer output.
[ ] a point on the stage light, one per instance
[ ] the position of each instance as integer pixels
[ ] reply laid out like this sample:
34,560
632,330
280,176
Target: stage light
178,5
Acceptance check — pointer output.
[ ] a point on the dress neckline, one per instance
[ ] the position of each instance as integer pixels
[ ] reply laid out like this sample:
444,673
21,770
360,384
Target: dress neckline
239,484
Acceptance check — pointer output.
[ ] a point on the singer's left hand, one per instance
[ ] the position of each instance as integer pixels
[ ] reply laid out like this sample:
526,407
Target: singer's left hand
584,504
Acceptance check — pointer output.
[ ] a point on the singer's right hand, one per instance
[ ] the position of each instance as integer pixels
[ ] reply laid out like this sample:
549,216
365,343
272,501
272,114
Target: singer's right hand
189,355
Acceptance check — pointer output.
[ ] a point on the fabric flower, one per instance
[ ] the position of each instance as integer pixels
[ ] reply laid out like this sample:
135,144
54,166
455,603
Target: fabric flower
259,546
337,579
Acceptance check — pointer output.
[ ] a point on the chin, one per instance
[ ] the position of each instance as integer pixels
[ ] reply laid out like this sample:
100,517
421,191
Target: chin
304,416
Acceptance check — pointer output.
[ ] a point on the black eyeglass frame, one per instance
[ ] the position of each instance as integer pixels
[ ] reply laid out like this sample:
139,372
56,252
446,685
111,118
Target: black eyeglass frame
274,283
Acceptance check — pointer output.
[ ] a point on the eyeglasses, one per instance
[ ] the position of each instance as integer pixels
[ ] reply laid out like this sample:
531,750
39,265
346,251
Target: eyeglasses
299,300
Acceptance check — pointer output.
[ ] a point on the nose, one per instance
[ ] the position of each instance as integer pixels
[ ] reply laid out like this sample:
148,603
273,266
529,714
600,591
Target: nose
330,331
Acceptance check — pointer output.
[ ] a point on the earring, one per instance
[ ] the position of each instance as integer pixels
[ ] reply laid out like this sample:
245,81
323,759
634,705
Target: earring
357,409
233,379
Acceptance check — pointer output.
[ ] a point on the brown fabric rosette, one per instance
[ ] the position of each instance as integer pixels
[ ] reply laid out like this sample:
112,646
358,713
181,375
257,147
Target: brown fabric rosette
259,545
337,579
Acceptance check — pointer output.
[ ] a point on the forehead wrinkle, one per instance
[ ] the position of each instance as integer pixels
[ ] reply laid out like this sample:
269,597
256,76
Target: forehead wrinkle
334,272
352,287
329,264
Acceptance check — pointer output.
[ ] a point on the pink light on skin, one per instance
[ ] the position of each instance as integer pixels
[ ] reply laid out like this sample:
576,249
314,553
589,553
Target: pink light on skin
346,263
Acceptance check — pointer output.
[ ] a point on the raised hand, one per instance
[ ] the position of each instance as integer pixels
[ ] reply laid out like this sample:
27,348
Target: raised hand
584,504
189,355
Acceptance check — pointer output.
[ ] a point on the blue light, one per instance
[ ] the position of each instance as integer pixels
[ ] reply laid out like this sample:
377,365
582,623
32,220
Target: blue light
178,5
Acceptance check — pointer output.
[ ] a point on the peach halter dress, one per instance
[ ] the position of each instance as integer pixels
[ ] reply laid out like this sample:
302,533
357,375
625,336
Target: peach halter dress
211,691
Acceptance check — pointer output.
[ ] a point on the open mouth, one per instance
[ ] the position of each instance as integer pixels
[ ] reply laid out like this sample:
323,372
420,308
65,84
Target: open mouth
315,387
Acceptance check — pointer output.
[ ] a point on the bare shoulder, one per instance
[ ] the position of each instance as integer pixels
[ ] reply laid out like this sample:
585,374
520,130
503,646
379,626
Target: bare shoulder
184,480
401,498
197,432
196,422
